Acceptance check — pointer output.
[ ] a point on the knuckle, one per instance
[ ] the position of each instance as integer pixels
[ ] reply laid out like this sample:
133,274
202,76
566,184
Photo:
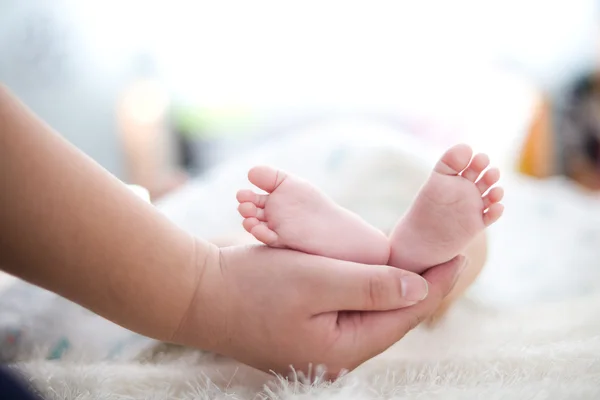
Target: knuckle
376,291
414,320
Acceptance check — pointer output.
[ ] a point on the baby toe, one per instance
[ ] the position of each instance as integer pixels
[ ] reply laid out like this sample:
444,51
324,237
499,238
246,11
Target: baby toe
489,178
248,196
495,195
266,178
454,160
476,166
245,195
493,213
247,210
250,223
263,234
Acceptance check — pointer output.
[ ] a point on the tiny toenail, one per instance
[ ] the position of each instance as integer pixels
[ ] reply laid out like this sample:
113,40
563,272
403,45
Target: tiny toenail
414,288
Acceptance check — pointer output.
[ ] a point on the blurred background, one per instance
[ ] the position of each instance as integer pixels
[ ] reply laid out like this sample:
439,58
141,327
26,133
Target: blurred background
158,92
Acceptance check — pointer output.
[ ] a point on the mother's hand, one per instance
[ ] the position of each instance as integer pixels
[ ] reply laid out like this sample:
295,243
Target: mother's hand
273,308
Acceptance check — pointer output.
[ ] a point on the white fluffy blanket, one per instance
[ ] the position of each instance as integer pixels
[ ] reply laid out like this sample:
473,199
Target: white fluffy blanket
529,329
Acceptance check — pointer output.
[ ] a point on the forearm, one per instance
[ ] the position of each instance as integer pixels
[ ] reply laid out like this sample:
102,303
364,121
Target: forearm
69,226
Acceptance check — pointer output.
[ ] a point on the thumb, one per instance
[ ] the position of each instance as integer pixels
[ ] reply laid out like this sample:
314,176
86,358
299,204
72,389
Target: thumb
377,331
357,287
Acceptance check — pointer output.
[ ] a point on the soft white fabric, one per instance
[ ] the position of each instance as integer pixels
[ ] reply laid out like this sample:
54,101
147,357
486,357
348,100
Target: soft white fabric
529,329
534,354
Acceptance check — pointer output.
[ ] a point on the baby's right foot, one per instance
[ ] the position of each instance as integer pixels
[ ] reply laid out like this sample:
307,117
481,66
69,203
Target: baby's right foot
296,215
449,211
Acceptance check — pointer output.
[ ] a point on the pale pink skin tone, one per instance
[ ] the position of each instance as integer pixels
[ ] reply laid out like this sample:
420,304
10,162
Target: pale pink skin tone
456,204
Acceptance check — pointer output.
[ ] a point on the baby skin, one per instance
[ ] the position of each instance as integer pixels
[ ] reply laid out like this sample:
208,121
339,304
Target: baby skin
452,208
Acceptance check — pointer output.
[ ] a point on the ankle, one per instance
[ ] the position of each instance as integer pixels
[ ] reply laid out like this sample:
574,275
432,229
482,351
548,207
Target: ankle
405,252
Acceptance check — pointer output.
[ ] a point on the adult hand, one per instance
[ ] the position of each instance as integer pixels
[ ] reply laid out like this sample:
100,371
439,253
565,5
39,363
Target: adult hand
273,308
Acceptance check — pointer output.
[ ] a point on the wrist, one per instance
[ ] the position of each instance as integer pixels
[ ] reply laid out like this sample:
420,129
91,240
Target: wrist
203,322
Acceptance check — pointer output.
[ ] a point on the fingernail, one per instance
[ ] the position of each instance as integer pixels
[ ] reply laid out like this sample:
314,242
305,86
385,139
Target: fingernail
414,288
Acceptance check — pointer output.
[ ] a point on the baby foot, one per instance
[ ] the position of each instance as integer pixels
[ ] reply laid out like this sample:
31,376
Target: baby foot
454,205
294,214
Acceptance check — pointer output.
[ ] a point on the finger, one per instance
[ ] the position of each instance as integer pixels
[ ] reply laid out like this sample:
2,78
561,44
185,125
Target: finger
370,333
358,287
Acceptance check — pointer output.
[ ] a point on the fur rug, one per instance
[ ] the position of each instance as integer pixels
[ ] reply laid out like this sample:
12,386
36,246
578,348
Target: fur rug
548,352
530,329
